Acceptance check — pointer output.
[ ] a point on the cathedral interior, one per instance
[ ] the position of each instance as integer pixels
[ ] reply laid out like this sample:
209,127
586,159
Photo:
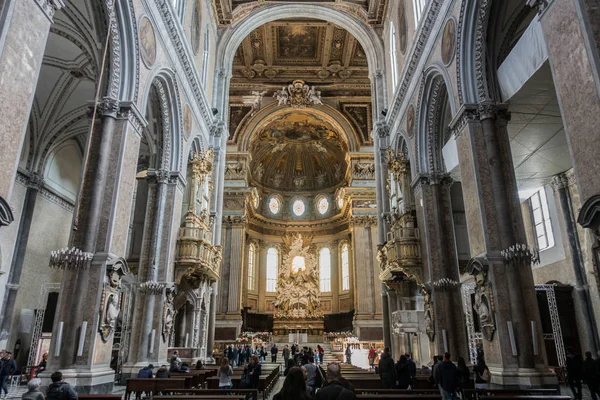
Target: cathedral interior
184,175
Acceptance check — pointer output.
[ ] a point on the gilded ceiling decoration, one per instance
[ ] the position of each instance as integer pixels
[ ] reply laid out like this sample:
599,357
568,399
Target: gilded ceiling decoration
369,11
314,51
298,151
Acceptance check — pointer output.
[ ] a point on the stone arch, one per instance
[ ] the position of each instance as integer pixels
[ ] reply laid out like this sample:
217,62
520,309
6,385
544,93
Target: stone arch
165,84
124,72
233,37
470,60
352,137
436,90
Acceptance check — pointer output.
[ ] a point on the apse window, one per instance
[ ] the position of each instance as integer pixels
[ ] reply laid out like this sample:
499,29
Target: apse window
323,205
272,269
325,269
345,268
274,205
298,207
541,219
251,273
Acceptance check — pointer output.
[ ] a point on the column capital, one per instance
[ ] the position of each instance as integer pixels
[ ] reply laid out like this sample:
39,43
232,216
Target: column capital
128,110
493,110
49,7
162,176
382,129
478,112
541,5
363,220
562,180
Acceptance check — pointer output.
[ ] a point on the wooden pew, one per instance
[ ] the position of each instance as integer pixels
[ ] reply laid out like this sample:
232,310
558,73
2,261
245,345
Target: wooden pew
187,394
206,397
99,396
525,397
152,386
476,394
399,396
416,392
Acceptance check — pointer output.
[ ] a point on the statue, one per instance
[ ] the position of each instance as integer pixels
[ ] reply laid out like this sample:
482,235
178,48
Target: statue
429,326
116,268
483,306
297,95
168,318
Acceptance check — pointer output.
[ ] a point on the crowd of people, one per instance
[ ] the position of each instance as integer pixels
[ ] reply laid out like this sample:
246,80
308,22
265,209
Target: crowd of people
451,378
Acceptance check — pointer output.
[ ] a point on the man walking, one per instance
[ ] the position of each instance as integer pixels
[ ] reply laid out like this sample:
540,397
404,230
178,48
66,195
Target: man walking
286,354
446,376
8,367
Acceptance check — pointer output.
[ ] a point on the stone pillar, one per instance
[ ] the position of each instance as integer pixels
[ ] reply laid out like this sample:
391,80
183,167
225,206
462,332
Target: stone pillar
210,343
100,229
261,276
585,314
495,227
441,261
387,332
336,273
34,184
23,36
579,39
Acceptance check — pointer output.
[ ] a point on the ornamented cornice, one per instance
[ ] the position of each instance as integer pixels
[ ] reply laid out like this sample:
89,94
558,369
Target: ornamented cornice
363,220
49,7
185,57
430,15
236,221
129,111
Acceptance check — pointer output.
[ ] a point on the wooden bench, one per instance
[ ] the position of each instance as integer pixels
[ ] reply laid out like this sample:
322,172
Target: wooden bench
152,386
525,397
206,397
415,392
100,396
476,394
187,394
399,396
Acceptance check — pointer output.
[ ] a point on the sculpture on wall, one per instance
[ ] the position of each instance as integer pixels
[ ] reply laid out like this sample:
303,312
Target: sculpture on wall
111,294
484,304
298,94
168,318
429,317
298,286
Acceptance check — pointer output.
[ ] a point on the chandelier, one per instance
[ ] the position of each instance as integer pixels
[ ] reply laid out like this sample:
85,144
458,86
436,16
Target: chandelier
298,94
70,259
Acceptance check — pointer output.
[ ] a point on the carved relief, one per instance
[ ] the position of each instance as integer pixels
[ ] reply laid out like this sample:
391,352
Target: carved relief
168,317
298,95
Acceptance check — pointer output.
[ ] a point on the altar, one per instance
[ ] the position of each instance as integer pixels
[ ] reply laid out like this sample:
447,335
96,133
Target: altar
298,312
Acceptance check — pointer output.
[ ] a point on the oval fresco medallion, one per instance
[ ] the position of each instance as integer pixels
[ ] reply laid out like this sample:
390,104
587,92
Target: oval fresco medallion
448,41
148,42
187,121
410,120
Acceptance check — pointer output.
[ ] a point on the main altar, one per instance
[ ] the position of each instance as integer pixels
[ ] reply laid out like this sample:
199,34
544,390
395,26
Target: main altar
297,306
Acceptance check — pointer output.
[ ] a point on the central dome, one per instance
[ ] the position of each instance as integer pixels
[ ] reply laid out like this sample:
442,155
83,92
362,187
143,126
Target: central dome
298,150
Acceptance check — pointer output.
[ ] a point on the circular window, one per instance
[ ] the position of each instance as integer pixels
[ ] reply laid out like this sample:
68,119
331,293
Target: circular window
274,205
323,205
298,207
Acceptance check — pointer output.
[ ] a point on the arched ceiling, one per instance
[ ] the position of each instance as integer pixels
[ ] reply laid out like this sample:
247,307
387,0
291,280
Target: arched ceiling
299,151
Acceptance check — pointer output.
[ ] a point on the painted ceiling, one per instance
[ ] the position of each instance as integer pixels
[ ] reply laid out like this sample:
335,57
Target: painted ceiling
317,52
298,151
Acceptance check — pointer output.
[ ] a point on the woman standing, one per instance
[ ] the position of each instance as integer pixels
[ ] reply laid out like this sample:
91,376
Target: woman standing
253,371
372,358
224,374
403,373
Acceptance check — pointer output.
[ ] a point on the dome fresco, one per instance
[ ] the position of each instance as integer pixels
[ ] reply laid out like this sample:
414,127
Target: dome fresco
298,151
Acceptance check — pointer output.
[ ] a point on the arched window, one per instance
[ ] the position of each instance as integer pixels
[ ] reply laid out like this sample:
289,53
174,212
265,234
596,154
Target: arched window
272,269
325,269
393,56
251,272
205,55
345,268
418,7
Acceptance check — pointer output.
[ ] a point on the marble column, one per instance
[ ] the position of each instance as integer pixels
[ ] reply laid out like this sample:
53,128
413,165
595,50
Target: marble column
387,332
336,274
495,224
441,261
100,228
24,31
238,251
34,184
585,313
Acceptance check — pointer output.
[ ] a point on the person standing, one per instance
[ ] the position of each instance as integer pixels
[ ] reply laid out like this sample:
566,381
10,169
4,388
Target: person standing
337,387
33,390
371,358
236,354
286,354
274,351
403,378
320,353
311,375
224,374
348,354
387,370
590,374
8,367
574,364
253,371
446,376
59,389
294,386
412,368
